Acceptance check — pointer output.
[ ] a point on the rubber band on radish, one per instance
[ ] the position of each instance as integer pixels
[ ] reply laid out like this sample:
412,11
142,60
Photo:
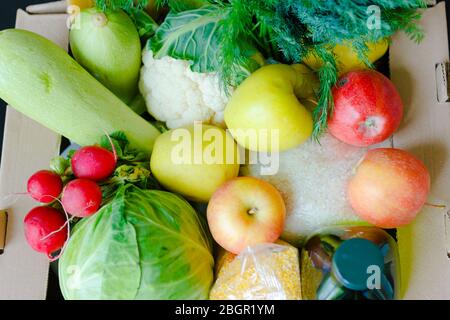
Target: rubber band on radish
67,223
113,148
52,259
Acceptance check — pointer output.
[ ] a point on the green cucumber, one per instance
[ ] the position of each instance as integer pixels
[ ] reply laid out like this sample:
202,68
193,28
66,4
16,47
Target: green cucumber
43,82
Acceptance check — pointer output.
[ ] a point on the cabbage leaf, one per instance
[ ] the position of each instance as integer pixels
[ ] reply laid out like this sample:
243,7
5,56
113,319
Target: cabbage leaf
144,244
196,36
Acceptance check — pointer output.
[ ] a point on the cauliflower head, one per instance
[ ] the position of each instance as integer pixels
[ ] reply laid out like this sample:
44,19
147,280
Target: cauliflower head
178,96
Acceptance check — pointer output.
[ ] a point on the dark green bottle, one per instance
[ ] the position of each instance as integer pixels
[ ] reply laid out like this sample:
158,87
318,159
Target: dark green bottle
349,263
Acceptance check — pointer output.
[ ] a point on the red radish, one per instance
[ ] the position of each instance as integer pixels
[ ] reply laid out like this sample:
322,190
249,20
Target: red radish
39,224
81,198
93,163
367,108
45,186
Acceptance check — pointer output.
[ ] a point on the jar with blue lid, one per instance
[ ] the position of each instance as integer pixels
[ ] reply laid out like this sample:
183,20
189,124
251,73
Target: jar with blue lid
350,263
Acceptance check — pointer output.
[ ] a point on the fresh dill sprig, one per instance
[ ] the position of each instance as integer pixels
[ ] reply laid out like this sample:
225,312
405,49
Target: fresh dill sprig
120,4
233,55
182,5
327,75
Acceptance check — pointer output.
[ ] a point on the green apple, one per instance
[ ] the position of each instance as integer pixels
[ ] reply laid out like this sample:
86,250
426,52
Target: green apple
264,114
195,161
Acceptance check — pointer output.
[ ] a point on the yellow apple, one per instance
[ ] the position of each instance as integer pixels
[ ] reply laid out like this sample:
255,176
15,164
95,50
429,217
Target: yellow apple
246,211
82,4
348,59
264,114
195,161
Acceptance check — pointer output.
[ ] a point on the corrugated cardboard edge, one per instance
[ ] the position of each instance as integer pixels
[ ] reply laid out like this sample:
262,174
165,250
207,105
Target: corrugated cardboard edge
27,147
426,133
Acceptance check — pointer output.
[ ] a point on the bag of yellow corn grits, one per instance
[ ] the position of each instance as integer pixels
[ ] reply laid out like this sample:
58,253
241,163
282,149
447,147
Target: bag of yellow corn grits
261,272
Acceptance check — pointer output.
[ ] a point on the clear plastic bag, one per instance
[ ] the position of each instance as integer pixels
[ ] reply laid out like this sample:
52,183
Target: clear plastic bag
261,272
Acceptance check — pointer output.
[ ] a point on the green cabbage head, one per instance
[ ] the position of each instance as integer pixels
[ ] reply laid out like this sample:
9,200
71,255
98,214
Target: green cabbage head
145,244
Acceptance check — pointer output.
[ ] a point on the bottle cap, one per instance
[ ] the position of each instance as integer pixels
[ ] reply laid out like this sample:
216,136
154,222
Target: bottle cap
353,262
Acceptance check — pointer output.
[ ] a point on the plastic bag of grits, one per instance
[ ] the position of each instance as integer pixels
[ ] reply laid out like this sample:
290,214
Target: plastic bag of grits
262,272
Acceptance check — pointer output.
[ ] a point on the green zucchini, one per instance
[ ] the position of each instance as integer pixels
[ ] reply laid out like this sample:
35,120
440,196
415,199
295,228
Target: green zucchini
43,82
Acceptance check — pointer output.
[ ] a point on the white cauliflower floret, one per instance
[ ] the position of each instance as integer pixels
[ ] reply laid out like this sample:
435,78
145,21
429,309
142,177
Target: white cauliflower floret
176,95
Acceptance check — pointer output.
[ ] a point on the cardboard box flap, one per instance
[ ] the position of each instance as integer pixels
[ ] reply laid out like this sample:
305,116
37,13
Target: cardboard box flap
426,133
27,147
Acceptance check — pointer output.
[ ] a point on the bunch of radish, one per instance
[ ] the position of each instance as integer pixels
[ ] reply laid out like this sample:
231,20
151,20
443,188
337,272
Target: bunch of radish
45,226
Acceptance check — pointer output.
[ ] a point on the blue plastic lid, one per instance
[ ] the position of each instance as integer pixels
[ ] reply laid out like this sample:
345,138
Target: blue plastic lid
352,261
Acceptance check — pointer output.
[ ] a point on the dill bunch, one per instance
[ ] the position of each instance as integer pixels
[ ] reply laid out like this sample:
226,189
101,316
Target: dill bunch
289,30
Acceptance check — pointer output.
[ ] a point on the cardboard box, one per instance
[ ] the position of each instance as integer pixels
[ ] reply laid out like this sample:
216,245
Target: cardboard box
27,147
423,245
425,132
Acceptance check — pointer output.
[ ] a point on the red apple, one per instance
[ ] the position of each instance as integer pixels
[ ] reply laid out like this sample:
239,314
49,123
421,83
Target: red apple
246,211
367,108
389,188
